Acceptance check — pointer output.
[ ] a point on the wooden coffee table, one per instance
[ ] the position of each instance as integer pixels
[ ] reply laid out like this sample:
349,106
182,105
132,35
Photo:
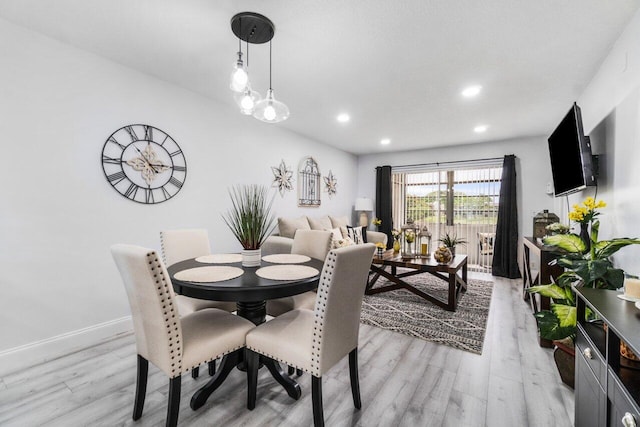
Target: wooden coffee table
453,273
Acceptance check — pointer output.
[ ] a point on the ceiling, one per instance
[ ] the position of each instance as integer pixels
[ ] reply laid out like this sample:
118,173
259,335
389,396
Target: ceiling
396,67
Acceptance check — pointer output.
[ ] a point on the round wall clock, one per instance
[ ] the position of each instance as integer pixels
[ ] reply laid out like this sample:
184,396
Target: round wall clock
144,164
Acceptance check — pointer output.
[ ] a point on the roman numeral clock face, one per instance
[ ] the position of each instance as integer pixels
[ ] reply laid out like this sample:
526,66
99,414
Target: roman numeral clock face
144,164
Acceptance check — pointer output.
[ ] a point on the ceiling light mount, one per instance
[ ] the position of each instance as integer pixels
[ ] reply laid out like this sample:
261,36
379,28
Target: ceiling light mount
252,27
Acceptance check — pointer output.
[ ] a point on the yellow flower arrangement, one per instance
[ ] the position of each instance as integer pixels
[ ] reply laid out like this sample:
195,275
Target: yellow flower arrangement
587,212
381,245
376,221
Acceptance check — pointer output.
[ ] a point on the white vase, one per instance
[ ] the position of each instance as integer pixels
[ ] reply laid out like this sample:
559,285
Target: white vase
251,257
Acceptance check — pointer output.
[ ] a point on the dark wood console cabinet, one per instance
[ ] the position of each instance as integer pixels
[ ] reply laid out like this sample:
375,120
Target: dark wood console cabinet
545,273
607,388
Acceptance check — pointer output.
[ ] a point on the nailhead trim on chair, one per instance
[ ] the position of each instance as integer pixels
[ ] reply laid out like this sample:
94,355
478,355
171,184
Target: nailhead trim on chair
170,313
321,304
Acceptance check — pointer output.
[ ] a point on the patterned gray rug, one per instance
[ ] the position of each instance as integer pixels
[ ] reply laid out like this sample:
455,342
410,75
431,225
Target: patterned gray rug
402,311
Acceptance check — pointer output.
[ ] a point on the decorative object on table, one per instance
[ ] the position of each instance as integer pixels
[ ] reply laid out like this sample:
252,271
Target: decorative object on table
451,241
381,247
409,231
308,183
443,255
254,28
541,221
424,242
144,164
556,228
282,178
331,184
364,205
396,240
376,222
585,266
250,220
407,313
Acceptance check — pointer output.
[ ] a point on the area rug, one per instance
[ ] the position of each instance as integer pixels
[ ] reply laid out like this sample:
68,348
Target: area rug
404,312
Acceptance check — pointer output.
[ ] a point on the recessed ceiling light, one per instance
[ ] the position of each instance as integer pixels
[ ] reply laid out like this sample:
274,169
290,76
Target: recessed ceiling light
385,141
480,128
343,118
471,91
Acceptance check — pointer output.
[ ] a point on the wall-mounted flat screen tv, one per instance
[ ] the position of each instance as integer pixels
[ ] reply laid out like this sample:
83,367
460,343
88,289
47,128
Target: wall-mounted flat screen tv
570,152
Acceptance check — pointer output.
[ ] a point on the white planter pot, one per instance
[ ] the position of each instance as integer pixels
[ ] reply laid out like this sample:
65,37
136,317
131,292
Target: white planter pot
251,257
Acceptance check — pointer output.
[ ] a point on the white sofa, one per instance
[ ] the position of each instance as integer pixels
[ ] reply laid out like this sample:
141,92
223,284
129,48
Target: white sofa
287,227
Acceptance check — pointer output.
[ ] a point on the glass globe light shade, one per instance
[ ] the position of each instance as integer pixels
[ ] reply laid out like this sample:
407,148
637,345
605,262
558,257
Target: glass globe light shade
270,110
247,100
239,76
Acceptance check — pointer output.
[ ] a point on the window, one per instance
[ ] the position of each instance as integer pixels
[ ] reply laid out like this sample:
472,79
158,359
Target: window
456,198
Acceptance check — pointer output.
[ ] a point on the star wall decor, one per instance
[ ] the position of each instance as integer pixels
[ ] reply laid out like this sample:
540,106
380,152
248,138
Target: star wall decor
282,178
331,184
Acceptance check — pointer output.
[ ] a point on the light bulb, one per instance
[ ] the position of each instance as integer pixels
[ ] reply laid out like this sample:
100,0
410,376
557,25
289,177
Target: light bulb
269,113
239,76
247,102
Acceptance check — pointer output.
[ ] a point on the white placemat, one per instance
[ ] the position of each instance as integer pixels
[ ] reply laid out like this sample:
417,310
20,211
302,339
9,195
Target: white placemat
219,258
287,272
626,298
209,274
286,258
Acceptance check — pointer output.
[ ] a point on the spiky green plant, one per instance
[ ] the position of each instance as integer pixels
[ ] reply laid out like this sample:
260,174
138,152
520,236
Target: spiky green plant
250,218
451,241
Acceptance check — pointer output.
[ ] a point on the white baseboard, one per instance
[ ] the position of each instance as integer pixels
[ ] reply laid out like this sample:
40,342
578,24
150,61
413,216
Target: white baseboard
34,353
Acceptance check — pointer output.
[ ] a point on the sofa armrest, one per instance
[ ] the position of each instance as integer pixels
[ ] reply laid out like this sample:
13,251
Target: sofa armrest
376,236
276,245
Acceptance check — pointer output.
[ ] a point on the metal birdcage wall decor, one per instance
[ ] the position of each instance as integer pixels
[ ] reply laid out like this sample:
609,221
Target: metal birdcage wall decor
309,181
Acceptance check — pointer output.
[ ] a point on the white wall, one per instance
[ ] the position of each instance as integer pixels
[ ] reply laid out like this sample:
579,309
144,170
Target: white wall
58,214
532,167
611,114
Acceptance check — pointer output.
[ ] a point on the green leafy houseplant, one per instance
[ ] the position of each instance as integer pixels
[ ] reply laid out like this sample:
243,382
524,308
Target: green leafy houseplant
250,218
586,263
451,241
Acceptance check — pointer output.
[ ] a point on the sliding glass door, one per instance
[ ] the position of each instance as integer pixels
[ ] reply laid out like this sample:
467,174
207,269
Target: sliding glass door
460,199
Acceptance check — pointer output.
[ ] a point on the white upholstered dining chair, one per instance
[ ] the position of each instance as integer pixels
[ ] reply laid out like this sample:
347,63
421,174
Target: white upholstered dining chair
315,341
179,245
312,243
173,343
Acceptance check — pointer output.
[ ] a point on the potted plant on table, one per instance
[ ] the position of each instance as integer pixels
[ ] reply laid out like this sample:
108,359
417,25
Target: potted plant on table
450,241
587,262
250,220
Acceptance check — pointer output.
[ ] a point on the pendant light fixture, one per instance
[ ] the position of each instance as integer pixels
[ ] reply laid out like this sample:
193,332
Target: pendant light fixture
255,29
248,98
270,110
239,75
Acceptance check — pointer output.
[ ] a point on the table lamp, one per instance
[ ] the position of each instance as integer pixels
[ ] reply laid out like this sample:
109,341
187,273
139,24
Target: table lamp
364,205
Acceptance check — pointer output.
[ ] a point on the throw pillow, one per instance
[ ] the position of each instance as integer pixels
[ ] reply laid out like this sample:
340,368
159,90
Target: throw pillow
342,221
357,234
322,223
336,235
345,241
288,226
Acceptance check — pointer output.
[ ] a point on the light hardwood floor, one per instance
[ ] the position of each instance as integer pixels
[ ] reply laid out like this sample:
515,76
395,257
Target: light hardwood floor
404,382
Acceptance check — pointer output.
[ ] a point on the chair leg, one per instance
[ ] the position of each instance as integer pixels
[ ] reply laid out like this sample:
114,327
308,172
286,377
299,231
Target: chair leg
141,387
252,359
195,372
316,398
353,374
174,401
212,368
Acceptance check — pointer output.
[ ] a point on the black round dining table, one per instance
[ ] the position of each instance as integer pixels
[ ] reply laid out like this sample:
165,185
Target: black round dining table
250,292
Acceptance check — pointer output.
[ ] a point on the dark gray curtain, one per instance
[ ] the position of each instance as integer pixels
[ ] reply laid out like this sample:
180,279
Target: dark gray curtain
505,253
383,201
